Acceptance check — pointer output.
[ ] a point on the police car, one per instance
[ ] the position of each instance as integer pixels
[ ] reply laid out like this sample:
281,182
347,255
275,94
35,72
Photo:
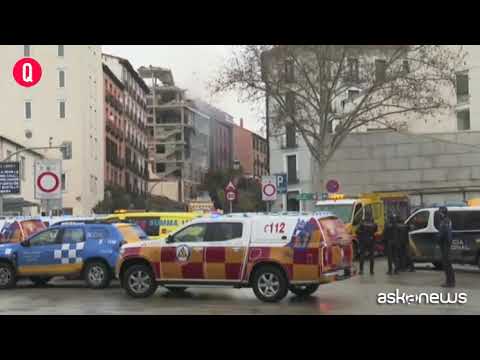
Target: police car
86,250
270,253
465,247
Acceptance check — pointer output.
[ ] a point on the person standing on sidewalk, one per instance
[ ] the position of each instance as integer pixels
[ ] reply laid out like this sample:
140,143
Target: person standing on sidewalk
391,238
444,226
366,239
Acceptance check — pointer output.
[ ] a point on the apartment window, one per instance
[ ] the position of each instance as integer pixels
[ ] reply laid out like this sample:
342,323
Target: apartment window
26,50
290,102
22,168
462,87
290,136
62,109
463,119
353,69
160,149
380,70
160,167
61,78
63,181
61,50
289,71
28,110
292,169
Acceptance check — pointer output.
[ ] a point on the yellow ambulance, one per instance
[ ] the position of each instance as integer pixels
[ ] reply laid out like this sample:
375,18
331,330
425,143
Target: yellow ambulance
157,225
351,210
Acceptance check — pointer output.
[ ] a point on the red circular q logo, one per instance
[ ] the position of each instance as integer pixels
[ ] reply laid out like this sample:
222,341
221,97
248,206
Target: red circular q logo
27,72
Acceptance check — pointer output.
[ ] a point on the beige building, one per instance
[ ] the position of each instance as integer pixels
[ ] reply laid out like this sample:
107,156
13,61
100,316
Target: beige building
65,106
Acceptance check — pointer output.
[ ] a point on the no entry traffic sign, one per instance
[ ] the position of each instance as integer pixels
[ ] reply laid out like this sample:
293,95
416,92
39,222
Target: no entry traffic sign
47,179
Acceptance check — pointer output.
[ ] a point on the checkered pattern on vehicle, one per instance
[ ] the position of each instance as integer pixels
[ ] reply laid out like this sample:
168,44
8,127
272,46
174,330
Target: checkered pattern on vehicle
69,253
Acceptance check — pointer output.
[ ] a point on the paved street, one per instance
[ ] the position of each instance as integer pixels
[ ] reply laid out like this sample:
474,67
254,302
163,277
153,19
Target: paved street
354,296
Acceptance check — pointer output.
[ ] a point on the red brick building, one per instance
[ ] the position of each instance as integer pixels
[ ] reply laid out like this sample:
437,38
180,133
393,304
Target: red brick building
250,151
114,129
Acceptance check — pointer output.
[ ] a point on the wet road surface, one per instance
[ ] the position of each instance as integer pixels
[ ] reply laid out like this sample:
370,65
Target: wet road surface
357,296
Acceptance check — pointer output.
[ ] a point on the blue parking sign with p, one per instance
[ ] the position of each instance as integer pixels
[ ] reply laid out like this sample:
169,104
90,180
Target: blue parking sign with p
282,183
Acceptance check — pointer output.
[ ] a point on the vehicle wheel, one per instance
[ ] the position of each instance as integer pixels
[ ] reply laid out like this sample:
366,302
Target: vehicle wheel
438,265
269,284
176,290
7,276
97,275
139,281
40,281
303,290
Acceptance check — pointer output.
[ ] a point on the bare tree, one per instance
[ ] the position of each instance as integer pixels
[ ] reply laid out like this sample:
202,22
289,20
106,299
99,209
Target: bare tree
327,91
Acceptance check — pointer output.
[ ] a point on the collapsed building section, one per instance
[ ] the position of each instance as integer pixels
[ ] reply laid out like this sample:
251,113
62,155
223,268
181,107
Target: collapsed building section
178,137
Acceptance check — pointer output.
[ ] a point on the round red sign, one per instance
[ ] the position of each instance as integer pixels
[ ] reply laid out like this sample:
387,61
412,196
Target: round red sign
27,72
45,180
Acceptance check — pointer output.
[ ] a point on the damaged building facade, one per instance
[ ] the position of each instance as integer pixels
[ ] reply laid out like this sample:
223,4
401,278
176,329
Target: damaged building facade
178,137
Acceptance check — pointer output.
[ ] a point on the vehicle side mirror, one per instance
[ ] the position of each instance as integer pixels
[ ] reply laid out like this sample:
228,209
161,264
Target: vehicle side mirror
169,239
25,243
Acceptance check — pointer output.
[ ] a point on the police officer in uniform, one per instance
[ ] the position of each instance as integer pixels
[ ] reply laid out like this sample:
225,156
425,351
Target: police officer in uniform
366,239
444,226
405,261
391,238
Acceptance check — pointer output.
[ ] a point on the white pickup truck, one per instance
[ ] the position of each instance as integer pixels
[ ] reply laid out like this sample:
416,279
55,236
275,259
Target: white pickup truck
270,253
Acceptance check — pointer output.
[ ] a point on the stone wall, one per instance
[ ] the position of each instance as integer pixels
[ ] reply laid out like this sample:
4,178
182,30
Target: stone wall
424,164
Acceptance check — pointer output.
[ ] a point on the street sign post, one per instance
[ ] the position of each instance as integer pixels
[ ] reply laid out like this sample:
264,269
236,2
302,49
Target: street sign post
304,197
9,180
282,183
231,194
47,178
269,190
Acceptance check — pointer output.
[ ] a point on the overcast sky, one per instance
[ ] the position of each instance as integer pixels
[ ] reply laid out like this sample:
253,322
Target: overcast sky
192,66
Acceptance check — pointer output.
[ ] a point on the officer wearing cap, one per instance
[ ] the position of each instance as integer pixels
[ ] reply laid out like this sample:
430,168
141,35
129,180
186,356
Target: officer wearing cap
444,226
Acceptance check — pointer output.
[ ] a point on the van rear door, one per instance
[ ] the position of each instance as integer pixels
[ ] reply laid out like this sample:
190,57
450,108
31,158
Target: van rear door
337,252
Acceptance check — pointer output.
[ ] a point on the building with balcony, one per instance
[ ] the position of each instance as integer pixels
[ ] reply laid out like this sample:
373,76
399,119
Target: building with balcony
133,122
250,151
115,124
178,137
65,106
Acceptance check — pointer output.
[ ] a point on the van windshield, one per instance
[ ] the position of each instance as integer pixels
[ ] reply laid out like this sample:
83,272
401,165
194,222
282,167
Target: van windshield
150,225
343,211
